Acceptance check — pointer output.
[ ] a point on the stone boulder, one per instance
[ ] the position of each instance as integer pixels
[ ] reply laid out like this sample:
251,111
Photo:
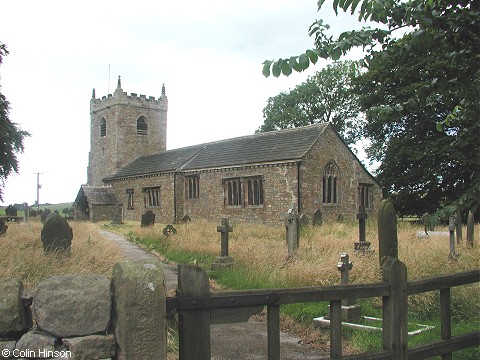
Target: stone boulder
91,347
14,316
73,305
35,340
56,234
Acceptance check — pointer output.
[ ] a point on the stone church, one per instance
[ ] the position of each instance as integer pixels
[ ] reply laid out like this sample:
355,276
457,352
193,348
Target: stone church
254,178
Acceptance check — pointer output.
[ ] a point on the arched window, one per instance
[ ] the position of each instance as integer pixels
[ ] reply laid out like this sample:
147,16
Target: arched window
142,126
103,127
330,183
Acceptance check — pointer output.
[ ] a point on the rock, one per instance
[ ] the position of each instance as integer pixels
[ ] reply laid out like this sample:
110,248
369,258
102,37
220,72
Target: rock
6,347
14,317
91,347
34,341
73,305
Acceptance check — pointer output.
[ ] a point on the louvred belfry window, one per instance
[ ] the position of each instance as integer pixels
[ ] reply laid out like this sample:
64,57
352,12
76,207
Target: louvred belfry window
142,126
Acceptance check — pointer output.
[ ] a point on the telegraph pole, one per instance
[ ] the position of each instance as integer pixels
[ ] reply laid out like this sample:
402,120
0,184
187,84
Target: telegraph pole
38,190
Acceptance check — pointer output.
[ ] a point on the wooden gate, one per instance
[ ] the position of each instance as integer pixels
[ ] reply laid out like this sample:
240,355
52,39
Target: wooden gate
196,306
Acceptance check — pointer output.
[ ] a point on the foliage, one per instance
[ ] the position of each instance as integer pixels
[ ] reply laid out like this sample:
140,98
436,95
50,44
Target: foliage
422,169
444,33
325,97
11,137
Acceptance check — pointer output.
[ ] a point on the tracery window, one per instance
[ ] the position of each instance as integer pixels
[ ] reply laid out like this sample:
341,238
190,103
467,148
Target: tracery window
330,183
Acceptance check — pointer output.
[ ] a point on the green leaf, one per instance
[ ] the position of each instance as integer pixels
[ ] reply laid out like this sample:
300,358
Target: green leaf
294,64
266,68
303,61
286,68
312,55
276,68
335,6
320,3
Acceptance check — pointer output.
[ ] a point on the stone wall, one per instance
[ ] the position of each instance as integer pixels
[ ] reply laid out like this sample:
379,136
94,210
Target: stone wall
86,317
121,143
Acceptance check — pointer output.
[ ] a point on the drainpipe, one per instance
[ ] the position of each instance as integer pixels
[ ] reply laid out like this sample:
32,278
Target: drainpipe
174,197
299,204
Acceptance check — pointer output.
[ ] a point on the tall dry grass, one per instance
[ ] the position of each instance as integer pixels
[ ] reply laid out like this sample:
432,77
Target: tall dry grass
263,252
22,255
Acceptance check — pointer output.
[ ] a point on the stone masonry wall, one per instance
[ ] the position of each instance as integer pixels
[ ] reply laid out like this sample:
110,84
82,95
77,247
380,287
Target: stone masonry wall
122,144
87,317
351,174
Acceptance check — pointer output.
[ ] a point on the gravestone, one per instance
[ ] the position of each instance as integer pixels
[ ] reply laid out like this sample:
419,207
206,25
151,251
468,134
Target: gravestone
427,223
303,220
148,219
224,260
362,245
451,229
117,217
317,218
470,228
387,231
458,226
26,214
11,210
3,227
186,219
44,215
350,310
56,234
292,231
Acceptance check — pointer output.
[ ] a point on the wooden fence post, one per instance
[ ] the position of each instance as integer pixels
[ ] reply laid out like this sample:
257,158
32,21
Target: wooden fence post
387,231
193,325
395,309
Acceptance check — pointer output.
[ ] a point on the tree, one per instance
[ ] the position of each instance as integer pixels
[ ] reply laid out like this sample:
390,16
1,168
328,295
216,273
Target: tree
422,169
447,32
11,137
325,97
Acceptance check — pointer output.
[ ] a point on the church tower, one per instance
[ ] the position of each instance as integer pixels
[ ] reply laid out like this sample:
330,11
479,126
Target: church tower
122,128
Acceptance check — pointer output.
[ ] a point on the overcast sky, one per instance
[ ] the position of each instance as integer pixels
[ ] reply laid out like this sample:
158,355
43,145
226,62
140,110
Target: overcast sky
208,54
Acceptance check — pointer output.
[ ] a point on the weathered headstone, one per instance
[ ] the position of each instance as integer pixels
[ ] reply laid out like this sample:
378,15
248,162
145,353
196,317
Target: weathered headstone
292,231
362,245
56,234
224,260
451,229
11,210
350,310
185,219
44,215
303,219
148,219
3,227
117,217
458,226
25,216
470,228
387,231
317,218
428,223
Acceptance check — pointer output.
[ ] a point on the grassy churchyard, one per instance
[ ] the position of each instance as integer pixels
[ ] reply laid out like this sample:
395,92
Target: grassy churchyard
261,261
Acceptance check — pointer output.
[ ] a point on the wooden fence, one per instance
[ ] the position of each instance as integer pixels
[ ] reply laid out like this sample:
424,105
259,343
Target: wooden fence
196,306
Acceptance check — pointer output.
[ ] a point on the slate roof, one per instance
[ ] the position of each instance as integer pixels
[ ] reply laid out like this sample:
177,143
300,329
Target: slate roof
98,195
274,146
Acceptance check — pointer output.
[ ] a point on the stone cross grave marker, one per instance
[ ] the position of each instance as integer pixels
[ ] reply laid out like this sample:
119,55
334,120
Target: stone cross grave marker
363,244
470,228
292,231
148,219
350,310
224,260
117,217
